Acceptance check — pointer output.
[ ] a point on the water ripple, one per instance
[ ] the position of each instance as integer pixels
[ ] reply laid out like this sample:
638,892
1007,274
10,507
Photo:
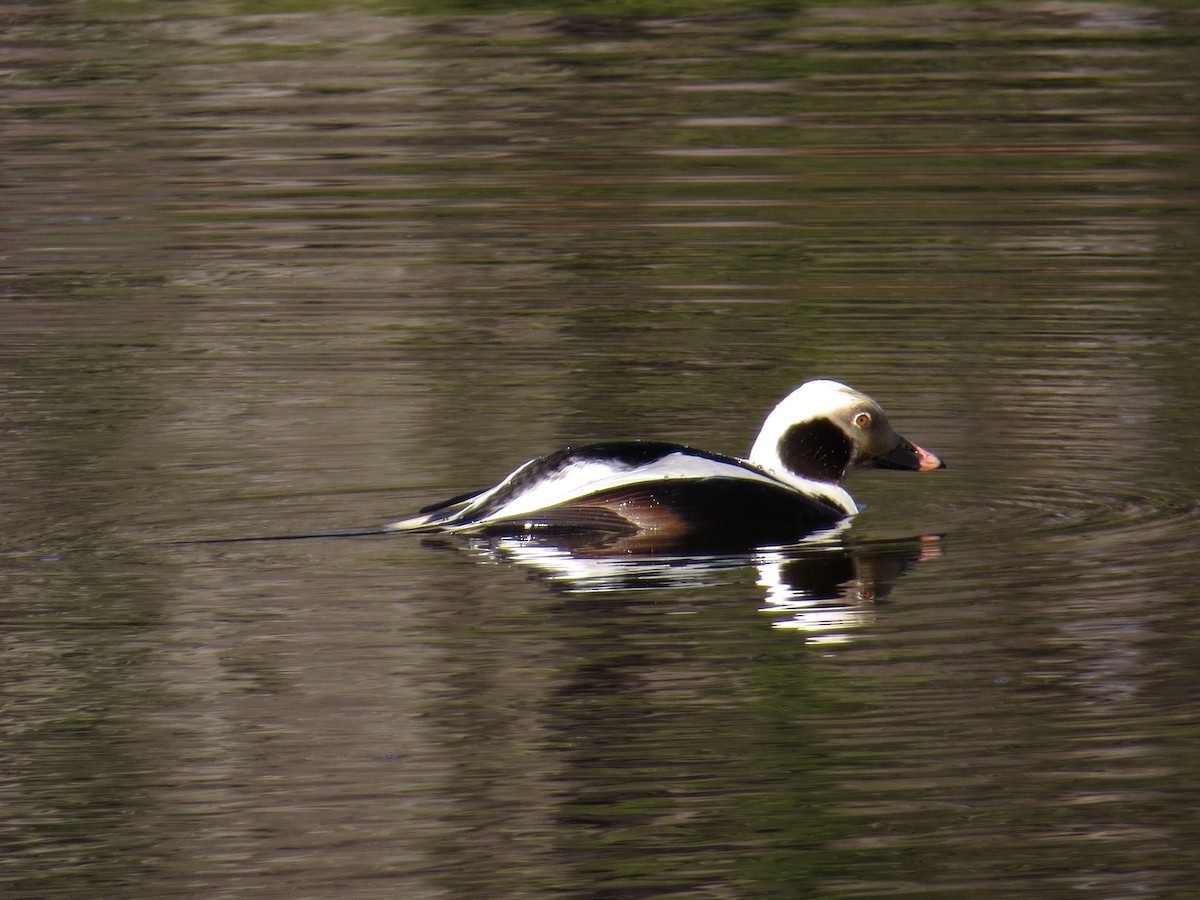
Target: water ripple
1069,510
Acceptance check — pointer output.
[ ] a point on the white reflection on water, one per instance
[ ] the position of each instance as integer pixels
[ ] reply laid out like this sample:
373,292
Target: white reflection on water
825,586
831,590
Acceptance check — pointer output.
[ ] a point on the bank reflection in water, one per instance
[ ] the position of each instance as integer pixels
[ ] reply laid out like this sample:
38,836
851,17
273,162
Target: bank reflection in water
825,586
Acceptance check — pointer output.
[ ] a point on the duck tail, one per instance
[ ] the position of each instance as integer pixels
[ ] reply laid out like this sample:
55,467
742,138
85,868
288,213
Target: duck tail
413,523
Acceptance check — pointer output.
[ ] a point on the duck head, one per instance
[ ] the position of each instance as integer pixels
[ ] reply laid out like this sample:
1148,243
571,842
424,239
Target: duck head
824,430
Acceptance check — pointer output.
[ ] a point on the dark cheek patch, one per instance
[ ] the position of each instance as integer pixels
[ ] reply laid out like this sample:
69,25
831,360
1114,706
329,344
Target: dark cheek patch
817,449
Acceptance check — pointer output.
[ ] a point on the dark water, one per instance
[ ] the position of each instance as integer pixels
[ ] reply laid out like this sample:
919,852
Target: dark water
309,270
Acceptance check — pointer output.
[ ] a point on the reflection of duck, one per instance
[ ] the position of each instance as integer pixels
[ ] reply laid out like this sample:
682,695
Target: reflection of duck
824,586
828,590
642,496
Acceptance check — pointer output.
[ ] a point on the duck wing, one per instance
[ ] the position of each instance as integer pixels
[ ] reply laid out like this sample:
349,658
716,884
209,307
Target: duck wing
715,512
557,479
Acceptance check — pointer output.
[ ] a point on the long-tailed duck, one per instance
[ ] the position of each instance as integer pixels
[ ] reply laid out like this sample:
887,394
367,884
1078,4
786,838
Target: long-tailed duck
789,486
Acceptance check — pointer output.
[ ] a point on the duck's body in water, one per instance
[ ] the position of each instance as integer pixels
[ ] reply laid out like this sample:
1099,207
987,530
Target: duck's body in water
662,493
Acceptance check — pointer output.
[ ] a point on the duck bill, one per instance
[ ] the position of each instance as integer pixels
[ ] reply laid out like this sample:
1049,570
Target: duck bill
908,457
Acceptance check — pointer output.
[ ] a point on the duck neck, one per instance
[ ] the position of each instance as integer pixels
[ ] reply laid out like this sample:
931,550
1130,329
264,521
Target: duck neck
809,458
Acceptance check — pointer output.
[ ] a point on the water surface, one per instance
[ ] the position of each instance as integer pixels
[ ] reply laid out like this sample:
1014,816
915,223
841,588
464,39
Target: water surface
292,272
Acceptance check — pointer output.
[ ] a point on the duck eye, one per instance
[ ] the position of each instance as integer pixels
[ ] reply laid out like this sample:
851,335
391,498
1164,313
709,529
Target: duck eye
863,419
